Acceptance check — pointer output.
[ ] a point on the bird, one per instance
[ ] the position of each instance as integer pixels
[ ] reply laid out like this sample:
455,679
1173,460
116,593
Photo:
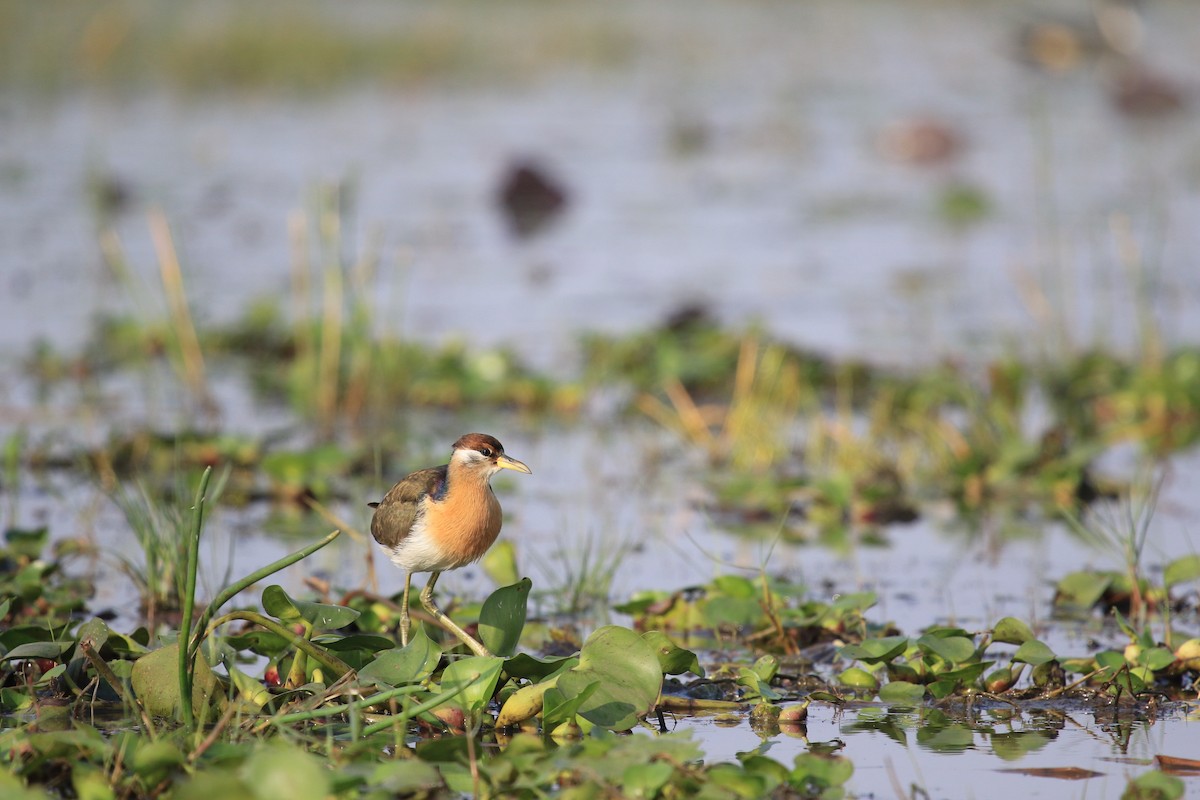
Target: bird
442,518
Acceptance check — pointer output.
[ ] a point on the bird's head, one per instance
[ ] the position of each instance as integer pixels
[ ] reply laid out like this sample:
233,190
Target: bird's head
484,455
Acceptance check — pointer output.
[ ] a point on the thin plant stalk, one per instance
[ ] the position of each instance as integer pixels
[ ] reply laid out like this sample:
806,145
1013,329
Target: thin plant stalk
233,589
320,655
190,353
362,703
416,710
189,603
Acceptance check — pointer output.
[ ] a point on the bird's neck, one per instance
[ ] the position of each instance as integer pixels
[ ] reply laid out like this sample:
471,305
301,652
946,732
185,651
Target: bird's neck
466,480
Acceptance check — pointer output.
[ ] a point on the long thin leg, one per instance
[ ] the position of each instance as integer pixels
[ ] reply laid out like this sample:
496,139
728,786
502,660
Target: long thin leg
404,620
446,622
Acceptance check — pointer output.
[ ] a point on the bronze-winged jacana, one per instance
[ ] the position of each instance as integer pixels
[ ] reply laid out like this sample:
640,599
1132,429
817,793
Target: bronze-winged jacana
443,518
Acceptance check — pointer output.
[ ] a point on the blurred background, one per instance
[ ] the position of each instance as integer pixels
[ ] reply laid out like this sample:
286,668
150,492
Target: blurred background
819,267
879,296
896,182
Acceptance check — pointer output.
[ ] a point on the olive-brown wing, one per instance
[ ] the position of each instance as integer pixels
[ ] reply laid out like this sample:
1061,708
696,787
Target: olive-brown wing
396,513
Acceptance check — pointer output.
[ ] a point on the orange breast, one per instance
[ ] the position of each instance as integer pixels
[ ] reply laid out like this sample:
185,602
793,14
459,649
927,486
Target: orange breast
465,524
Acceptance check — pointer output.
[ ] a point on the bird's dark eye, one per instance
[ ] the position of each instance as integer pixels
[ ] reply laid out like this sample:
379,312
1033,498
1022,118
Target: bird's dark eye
486,452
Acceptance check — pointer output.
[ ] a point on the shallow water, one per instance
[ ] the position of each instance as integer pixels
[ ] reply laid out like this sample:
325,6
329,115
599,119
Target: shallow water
788,214
980,757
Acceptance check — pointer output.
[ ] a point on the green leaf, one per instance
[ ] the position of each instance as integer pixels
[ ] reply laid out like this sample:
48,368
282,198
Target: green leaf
876,651
523,665
1034,653
479,674
400,666
737,611
502,617
645,780
1112,660
322,616
902,693
1181,570
155,681
1082,590
824,771
557,708
51,650
673,660
500,563
1154,785
756,687
286,771
405,777
277,603
766,667
28,543
628,674
1156,658
736,586
954,649
855,601
858,678
154,761
1011,630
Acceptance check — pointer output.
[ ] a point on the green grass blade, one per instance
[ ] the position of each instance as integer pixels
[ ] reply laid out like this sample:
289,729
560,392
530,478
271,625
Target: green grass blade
189,600
231,591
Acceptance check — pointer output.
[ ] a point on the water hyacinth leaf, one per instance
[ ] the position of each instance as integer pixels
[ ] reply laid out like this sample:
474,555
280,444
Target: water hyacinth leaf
1081,590
855,601
260,642
154,761
322,616
735,586
404,665
277,603
876,651
826,772
766,667
1154,785
966,674
155,683
285,771
673,659
27,542
645,780
326,617
1011,630
740,612
500,563
858,678
557,708
405,777
735,782
523,665
215,783
1034,653
477,677
502,617
954,649
628,674
1181,570
756,687
51,650
902,693
1156,658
